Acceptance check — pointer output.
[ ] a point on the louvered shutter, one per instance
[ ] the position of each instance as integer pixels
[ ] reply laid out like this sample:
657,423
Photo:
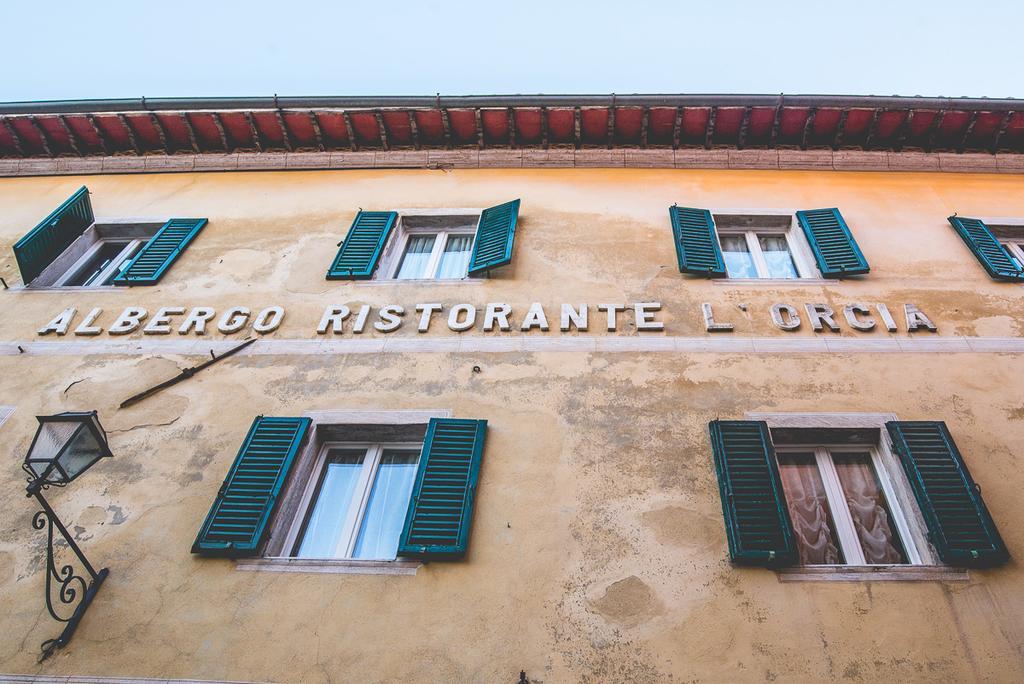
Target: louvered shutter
441,510
757,521
960,526
833,245
359,253
53,235
495,236
238,519
987,248
149,265
697,248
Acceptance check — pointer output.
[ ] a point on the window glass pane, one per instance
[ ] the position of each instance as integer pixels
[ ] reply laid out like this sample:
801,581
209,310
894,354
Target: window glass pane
455,258
870,512
816,538
778,257
388,504
324,527
739,263
416,257
90,272
1013,253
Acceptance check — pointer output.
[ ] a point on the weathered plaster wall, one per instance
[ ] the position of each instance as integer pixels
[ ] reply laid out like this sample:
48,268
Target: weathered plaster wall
598,550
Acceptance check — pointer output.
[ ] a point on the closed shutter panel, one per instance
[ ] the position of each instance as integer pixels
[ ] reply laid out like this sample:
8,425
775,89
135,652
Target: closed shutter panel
757,521
238,518
53,235
959,524
495,237
833,245
987,248
361,250
153,260
697,248
441,510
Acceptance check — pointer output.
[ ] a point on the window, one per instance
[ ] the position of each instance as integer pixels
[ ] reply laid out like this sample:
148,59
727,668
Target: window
70,248
850,493
762,247
426,244
105,260
336,488
358,501
441,255
842,507
427,247
810,243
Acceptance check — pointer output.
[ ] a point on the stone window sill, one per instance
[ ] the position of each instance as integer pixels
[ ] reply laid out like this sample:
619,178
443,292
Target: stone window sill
339,566
872,573
772,282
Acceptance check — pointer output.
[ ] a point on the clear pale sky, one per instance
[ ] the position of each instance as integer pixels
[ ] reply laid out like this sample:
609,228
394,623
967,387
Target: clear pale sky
180,48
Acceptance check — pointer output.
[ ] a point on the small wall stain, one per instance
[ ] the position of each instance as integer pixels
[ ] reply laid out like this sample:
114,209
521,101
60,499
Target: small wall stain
628,602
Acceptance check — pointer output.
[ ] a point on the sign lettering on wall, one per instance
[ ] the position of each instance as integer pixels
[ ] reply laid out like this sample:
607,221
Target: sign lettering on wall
342,319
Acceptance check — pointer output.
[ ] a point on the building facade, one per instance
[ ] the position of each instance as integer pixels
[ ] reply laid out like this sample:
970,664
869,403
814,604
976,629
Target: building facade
738,402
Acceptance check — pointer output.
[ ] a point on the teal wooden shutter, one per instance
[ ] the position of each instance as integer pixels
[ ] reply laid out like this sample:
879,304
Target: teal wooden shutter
697,248
359,253
757,521
53,235
441,508
833,245
987,248
238,519
959,524
149,265
495,236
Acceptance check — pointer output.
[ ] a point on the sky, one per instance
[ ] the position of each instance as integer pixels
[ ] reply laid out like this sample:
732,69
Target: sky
184,48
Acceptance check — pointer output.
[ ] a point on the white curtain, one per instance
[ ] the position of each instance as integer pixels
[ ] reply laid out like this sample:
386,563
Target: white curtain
455,258
808,508
389,501
868,509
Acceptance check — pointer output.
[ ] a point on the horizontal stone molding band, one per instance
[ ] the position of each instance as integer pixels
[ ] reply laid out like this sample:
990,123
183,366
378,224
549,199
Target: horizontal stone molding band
812,160
527,343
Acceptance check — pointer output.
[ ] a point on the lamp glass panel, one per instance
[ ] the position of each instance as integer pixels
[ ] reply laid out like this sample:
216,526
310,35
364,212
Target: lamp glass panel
82,452
51,437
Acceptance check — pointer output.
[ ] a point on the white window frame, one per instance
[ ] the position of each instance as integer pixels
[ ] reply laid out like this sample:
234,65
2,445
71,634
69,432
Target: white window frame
853,554
1015,250
130,250
391,261
360,495
799,250
434,263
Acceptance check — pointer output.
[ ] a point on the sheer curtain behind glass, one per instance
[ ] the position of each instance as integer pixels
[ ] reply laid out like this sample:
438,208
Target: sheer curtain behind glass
455,258
387,507
324,527
816,536
739,262
777,256
416,257
870,512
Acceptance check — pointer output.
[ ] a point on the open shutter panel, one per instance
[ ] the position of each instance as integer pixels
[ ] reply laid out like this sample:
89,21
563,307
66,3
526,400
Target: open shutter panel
697,248
987,248
153,260
441,509
53,235
833,245
757,521
959,524
238,518
359,253
494,237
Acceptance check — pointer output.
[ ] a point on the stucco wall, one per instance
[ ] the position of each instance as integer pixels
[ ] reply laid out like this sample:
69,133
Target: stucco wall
598,550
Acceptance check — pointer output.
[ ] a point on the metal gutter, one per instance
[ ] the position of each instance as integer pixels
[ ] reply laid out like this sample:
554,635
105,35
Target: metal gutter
474,101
